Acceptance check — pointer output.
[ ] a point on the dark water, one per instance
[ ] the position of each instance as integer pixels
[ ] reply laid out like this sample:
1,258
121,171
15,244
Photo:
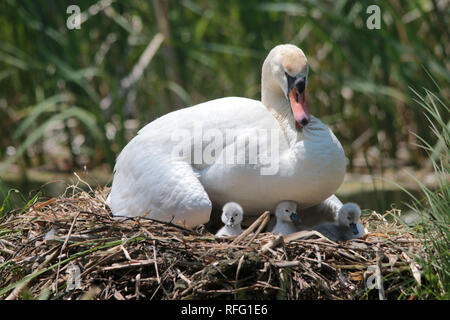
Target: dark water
380,200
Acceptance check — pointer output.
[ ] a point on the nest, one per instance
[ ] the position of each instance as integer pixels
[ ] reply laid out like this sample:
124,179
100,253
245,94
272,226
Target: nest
70,247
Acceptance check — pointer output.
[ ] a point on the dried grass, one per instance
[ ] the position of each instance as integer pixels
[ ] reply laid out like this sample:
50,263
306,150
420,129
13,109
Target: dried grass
144,259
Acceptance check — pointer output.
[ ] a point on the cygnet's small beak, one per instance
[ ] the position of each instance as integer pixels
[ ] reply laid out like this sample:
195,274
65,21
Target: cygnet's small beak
230,222
294,217
354,228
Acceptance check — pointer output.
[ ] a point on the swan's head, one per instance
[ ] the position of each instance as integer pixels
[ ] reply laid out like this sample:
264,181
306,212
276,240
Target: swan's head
349,215
232,214
286,211
286,68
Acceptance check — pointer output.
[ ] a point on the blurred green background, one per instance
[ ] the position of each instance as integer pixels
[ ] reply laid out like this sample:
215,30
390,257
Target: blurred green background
71,99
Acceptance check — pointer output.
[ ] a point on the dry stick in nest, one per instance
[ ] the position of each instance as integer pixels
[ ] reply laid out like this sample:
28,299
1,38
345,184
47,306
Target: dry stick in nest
170,224
272,244
156,264
261,226
241,260
17,290
160,282
7,251
84,182
253,226
96,264
319,256
305,234
415,271
37,206
290,237
130,264
63,248
378,277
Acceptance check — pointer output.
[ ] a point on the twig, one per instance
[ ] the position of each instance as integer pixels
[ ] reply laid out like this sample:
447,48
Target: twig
99,262
272,244
258,231
84,182
138,283
415,271
156,265
7,251
286,264
319,256
251,228
379,278
131,264
17,290
183,277
64,247
241,260
125,251
305,234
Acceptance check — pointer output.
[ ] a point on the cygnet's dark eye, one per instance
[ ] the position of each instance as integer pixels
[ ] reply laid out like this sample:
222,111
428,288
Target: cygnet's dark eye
348,218
286,210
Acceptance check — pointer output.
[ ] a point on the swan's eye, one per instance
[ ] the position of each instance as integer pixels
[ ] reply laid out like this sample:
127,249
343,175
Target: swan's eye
348,218
286,210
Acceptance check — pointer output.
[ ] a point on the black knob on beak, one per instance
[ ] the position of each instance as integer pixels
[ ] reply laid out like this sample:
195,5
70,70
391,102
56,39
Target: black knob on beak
300,84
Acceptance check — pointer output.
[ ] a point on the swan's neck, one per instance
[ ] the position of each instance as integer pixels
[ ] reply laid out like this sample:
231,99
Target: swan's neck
276,102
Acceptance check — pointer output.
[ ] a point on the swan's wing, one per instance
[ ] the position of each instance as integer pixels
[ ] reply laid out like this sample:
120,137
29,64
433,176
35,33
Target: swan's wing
148,181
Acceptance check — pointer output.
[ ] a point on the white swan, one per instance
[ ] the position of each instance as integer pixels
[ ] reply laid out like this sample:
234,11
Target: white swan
232,215
347,226
325,212
286,217
306,165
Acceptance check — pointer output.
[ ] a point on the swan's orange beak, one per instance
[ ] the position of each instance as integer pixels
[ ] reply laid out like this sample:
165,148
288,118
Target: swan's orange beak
299,108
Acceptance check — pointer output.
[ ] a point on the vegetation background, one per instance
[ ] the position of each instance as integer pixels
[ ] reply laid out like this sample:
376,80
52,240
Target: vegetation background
72,99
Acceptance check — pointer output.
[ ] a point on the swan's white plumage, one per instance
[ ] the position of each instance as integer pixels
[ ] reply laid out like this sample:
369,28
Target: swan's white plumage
325,212
148,179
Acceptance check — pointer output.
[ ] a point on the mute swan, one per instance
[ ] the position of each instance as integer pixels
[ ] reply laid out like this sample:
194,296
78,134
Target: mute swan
297,157
286,215
346,227
325,212
232,215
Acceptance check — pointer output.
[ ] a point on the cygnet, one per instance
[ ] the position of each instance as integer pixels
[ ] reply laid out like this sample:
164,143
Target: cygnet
346,227
232,215
286,215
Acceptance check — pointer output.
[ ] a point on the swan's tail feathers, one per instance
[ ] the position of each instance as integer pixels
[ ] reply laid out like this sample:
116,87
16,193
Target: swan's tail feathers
163,189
